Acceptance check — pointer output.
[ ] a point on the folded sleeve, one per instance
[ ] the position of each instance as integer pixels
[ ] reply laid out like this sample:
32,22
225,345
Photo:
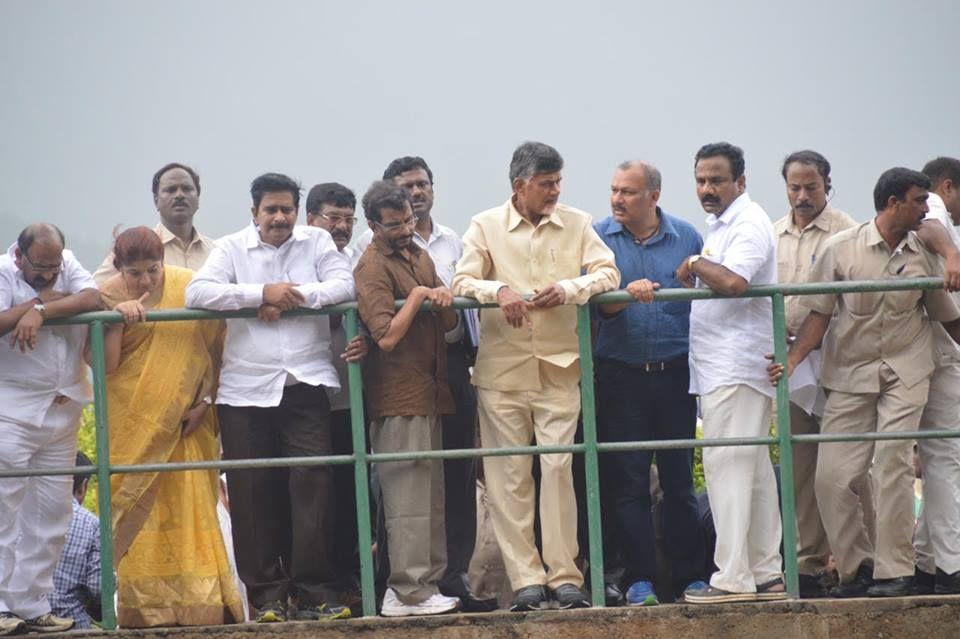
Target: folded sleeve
375,298
335,281
214,286
748,251
474,267
599,268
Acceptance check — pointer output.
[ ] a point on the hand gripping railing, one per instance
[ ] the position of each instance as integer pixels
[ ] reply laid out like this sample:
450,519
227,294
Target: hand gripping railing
590,446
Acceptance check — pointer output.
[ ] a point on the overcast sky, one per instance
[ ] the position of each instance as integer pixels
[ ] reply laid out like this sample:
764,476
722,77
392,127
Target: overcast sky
95,96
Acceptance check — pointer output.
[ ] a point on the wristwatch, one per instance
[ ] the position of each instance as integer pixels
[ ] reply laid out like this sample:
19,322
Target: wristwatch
691,260
40,308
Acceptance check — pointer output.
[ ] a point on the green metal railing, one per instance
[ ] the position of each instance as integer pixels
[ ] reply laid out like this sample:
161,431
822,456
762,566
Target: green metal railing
590,447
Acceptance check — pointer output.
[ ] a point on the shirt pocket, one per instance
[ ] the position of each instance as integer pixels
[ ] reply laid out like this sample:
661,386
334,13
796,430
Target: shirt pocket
562,263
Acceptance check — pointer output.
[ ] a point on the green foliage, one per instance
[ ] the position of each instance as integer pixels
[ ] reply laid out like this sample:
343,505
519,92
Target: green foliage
87,444
699,482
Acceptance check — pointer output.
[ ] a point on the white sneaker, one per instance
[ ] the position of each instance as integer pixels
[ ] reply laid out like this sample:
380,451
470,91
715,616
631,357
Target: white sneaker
10,624
434,605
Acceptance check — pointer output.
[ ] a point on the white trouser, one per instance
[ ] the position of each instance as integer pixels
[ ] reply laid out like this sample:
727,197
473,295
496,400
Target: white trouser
35,512
937,538
742,489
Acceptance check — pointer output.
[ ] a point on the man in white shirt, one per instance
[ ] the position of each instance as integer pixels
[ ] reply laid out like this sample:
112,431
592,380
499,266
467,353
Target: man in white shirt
459,429
176,194
272,400
43,388
332,207
728,341
937,537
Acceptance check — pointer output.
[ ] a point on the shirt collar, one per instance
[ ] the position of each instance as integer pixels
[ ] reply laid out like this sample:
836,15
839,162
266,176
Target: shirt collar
386,250
514,218
822,221
666,228
874,238
253,236
166,236
729,214
936,202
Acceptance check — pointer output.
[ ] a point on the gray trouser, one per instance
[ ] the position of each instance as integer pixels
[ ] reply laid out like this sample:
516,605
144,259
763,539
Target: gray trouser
412,493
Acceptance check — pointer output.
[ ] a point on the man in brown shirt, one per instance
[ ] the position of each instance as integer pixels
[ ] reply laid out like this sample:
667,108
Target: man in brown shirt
405,383
801,234
878,359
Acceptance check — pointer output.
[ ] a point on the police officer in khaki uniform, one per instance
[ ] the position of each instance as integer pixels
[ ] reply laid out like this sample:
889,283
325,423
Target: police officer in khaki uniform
801,234
878,358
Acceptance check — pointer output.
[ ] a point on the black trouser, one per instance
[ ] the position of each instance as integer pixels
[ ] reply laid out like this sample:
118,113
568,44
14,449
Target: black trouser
346,548
635,405
460,475
283,523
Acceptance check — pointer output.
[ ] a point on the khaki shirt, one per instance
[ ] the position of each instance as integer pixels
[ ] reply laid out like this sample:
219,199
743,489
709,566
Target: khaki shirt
501,248
175,253
798,250
877,328
412,378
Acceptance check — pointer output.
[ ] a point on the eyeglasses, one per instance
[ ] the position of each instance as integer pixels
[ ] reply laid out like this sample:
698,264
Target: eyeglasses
43,269
336,219
411,223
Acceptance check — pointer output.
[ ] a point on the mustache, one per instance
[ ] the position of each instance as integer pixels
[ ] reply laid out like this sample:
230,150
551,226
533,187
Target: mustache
710,199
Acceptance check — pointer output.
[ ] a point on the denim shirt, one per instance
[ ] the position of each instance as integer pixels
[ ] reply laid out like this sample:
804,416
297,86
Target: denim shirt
658,331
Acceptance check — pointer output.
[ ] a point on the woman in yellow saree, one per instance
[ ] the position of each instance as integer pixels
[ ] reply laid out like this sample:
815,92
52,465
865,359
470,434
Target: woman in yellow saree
173,567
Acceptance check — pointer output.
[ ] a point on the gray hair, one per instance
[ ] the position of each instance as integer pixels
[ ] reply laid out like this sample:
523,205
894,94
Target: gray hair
531,158
650,173
37,232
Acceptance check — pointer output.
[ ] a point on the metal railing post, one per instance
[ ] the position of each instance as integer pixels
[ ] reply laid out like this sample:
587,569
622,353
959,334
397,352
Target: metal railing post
787,495
360,474
591,462
107,580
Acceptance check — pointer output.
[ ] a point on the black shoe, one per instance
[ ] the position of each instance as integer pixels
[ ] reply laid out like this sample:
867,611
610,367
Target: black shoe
856,588
811,587
612,595
458,586
529,598
923,582
896,587
569,596
947,583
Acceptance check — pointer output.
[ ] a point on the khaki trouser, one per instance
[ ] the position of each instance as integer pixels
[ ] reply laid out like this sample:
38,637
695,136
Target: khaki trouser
412,493
515,418
842,469
813,551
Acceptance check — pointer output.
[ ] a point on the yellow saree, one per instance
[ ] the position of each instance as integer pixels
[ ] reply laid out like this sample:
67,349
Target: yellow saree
173,567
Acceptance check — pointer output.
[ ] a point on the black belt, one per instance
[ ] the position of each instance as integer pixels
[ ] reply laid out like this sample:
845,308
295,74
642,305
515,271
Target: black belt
655,367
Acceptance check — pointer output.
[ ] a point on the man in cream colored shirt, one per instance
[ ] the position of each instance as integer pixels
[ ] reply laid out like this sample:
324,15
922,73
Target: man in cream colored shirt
937,538
527,372
176,194
801,234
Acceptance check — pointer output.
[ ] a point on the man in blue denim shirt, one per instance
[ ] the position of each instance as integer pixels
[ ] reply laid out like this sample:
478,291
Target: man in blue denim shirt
643,381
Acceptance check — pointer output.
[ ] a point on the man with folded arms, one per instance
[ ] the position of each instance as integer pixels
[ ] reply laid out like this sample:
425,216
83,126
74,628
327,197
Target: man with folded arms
272,399
43,388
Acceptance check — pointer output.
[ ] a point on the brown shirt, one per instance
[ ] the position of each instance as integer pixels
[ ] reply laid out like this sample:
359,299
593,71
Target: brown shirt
798,250
411,379
877,328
